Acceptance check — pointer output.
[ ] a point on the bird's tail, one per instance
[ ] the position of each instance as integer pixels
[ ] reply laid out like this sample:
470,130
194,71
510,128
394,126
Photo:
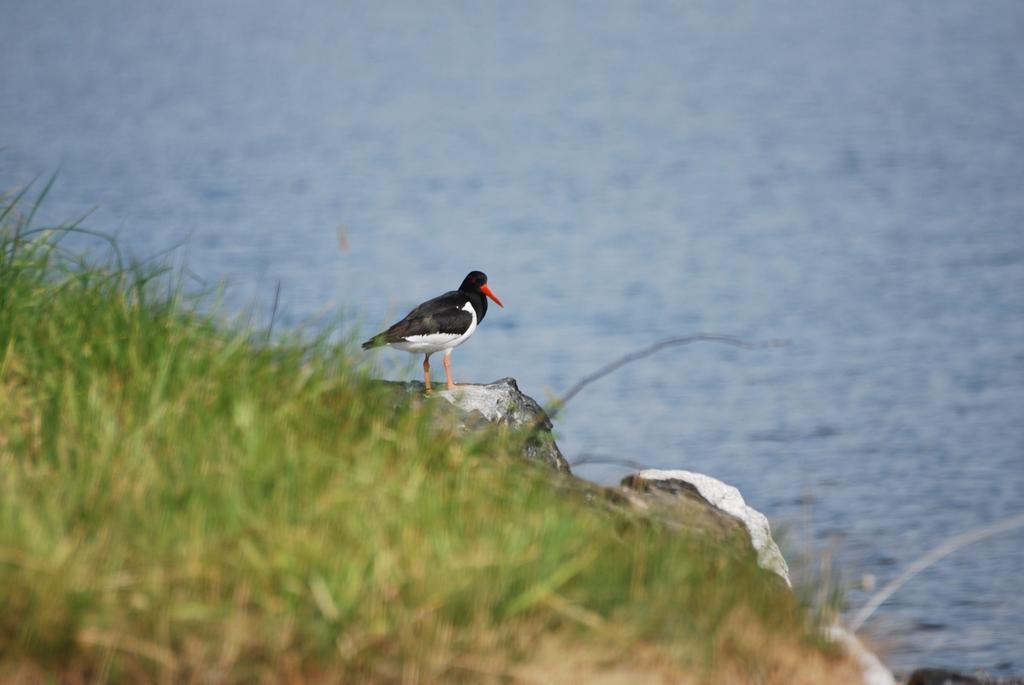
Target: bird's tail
375,341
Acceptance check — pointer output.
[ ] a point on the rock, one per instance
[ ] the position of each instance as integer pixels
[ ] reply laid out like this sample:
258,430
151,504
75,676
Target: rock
940,676
724,498
472,406
676,510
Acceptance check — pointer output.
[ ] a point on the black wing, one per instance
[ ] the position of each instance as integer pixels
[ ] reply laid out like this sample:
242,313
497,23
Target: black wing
443,314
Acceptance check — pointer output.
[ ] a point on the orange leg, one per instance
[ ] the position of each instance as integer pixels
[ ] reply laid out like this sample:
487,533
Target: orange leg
426,372
448,370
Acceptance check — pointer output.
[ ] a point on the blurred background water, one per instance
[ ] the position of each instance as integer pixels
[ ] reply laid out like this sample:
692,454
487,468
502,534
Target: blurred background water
848,176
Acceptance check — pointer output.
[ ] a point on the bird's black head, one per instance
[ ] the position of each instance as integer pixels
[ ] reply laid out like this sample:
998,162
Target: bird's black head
473,282
476,284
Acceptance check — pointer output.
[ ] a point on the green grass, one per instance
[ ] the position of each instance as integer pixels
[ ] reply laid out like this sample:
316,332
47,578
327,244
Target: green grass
181,499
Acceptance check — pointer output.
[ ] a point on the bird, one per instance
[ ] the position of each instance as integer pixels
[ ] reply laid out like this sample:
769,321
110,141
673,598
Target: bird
443,323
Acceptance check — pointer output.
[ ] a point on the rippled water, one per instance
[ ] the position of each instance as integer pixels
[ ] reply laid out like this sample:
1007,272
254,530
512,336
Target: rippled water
847,176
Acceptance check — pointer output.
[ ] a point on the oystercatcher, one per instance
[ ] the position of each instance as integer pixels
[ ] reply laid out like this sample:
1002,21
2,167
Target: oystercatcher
442,323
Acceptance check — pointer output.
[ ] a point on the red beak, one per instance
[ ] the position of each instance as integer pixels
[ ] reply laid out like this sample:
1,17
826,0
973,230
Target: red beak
486,290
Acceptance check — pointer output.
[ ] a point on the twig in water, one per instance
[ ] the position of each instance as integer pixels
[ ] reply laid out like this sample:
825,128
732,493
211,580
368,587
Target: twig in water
600,459
652,349
948,547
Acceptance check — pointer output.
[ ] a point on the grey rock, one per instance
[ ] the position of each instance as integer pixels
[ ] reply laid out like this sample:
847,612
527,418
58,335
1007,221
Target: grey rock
678,508
473,406
940,676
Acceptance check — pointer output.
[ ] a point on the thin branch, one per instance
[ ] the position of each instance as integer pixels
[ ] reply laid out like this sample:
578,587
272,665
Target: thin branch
948,547
653,349
602,459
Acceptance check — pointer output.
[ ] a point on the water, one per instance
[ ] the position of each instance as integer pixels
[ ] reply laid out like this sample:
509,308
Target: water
846,176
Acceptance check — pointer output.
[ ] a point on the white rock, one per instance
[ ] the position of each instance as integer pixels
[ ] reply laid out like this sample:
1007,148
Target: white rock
501,401
728,499
493,400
